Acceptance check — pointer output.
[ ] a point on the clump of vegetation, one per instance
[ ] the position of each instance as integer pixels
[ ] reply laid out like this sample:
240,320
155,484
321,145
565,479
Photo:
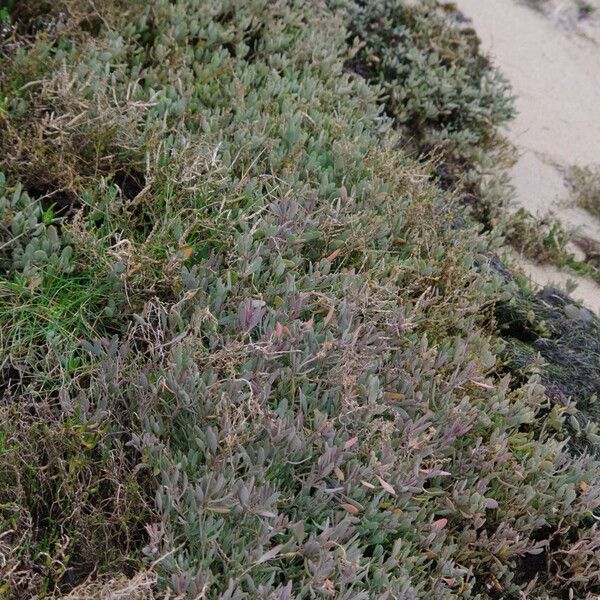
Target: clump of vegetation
436,82
585,185
248,348
585,9
568,12
549,325
71,499
442,93
541,239
545,240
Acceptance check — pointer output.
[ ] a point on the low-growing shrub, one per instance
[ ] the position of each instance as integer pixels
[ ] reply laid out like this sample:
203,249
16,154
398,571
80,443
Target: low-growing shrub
441,91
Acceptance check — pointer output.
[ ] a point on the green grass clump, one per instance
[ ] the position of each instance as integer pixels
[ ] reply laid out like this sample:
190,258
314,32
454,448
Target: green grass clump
48,302
286,385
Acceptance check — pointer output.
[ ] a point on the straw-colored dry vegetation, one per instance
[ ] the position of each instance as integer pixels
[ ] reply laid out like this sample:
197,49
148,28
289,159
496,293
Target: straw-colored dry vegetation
250,333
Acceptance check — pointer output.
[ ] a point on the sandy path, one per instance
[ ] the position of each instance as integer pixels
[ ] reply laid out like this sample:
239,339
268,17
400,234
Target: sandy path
555,74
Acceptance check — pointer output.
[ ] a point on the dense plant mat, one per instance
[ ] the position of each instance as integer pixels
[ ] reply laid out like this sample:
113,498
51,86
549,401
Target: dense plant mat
436,83
440,91
246,342
449,101
548,333
585,184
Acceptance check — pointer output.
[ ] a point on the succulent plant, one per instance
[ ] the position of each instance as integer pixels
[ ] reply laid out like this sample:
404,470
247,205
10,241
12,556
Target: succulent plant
27,244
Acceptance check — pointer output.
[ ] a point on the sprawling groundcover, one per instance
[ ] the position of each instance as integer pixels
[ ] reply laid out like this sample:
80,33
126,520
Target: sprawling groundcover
247,342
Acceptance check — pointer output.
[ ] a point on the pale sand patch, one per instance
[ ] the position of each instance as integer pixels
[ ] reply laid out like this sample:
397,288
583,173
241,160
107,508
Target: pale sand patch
555,74
586,292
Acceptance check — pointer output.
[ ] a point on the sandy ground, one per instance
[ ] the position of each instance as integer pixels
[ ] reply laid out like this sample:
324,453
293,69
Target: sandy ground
552,59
